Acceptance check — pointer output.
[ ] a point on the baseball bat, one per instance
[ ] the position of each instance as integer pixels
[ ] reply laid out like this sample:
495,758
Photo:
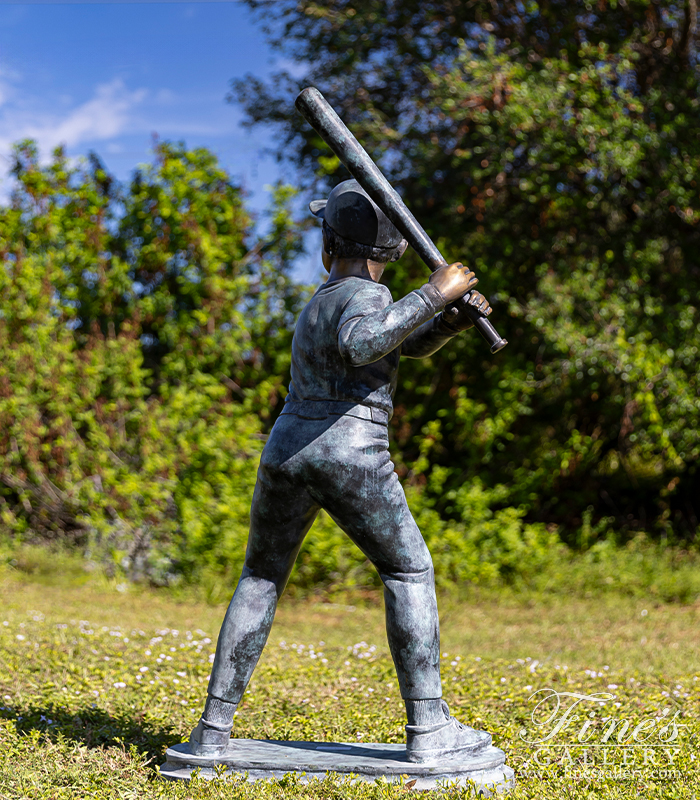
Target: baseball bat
316,110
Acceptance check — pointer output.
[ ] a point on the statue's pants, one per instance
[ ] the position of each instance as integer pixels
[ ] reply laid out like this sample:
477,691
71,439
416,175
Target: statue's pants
340,464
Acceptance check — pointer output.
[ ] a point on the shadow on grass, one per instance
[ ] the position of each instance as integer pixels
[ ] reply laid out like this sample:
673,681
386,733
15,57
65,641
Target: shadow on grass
94,727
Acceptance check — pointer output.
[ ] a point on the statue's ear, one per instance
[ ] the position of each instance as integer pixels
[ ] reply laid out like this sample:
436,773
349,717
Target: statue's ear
325,259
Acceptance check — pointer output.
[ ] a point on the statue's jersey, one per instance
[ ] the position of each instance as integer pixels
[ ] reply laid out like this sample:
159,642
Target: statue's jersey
347,342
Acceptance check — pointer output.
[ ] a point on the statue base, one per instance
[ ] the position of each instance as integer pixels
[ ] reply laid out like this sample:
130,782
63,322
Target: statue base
259,758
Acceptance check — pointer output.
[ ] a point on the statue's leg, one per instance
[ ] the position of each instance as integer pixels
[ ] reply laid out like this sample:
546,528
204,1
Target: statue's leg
281,514
368,502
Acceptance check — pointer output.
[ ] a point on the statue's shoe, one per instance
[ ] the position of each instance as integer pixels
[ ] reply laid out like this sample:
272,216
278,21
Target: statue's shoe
448,739
209,739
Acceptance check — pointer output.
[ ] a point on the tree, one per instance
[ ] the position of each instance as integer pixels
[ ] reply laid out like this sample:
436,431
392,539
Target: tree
553,145
133,393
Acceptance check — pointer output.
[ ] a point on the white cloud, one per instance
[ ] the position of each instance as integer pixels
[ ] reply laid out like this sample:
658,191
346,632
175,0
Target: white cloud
103,117
106,115
118,121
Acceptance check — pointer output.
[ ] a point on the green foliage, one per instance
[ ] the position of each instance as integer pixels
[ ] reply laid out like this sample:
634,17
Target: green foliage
145,343
141,367
552,146
613,381
133,389
68,400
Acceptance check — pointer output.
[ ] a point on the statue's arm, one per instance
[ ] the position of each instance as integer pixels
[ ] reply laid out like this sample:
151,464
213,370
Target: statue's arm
428,338
433,334
367,333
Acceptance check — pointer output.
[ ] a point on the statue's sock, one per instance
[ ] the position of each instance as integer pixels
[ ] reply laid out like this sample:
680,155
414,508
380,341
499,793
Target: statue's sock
218,712
424,712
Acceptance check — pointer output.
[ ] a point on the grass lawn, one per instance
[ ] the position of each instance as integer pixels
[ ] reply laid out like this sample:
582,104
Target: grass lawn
95,683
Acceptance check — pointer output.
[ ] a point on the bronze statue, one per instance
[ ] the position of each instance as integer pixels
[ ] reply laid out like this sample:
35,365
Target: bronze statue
329,449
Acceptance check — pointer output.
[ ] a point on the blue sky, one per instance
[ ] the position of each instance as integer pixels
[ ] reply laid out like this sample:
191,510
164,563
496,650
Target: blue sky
107,76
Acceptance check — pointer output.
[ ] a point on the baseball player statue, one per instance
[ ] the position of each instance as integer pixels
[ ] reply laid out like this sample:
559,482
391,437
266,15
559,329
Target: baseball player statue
329,449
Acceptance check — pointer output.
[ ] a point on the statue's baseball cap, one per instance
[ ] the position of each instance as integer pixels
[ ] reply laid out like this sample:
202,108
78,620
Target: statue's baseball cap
352,214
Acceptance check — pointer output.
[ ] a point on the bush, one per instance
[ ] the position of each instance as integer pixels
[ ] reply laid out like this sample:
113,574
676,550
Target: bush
144,350
555,151
133,385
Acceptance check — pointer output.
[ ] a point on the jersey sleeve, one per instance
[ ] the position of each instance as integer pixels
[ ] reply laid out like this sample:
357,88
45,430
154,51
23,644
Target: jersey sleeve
371,326
428,338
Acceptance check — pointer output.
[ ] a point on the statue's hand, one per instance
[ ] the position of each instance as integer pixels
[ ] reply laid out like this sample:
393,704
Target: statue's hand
457,317
453,281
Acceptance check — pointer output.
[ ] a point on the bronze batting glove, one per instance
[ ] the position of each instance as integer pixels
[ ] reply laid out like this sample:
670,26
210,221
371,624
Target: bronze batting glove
457,319
453,281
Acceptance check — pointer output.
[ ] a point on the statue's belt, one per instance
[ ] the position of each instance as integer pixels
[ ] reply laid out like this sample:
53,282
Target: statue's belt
320,409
